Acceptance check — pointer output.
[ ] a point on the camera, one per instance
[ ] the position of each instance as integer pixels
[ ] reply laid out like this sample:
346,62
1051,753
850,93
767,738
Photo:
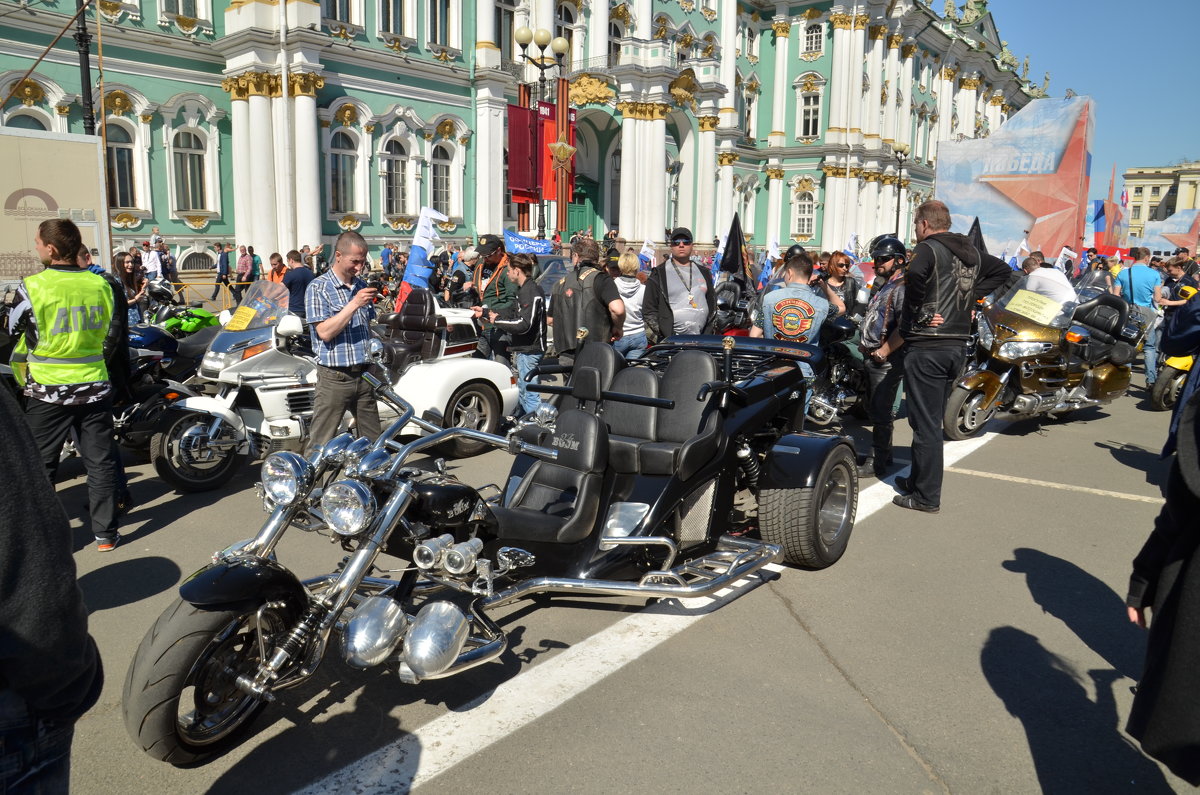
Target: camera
923,317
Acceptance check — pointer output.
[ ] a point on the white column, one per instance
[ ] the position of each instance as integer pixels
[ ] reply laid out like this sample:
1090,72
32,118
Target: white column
907,79
243,223
643,22
905,232
487,53
776,136
839,116
892,75
597,31
308,169
869,221
993,111
853,189
285,220
262,170
654,211
831,197
706,165
543,17
631,177
877,46
728,70
967,102
776,226
887,205
488,142
945,83
724,192
858,42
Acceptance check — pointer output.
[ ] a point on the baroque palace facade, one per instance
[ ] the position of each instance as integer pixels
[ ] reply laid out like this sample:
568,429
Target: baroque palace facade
687,111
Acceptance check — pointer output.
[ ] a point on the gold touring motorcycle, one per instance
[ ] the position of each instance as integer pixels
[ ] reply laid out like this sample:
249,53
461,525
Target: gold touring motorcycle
1042,357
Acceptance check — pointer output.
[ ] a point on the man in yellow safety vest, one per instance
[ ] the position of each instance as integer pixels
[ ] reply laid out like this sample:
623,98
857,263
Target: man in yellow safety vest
64,324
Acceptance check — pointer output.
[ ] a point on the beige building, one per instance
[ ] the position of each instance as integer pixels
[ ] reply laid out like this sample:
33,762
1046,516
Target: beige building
1159,192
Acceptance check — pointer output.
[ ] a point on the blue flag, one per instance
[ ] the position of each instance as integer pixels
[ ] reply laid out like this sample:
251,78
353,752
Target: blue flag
517,244
418,270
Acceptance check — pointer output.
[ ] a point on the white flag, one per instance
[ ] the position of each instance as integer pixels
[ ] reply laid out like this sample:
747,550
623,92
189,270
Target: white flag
648,250
1065,259
773,249
424,234
1024,247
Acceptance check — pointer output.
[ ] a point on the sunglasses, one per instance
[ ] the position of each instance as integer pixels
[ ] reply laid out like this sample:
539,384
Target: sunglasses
681,241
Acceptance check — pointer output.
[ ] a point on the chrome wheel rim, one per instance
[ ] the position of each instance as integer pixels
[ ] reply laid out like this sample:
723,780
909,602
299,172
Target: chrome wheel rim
834,514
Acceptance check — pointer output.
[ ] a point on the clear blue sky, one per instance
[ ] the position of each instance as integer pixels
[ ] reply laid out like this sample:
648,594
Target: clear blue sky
1137,60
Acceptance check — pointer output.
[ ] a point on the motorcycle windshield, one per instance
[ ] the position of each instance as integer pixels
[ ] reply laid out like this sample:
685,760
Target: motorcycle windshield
1039,308
262,305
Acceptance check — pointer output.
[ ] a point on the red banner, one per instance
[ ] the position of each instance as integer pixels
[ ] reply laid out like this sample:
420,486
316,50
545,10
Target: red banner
547,114
522,144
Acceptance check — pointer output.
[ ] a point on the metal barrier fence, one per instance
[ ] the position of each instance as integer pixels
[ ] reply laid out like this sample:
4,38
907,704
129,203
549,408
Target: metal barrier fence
203,292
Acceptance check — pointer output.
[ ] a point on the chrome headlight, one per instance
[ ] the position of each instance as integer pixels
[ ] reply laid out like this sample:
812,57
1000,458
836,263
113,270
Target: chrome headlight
460,558
355,451
986,336
374,464
286,477
348,507
1021,350
335,447
429,553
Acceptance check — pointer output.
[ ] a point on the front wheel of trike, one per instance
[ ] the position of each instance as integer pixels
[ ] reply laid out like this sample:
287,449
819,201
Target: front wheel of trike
181,702
813,525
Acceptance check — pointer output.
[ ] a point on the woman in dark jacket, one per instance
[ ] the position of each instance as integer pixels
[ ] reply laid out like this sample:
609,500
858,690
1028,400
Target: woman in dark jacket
1165,716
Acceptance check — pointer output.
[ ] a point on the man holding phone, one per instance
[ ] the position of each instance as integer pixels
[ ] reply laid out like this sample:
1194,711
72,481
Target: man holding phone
340,308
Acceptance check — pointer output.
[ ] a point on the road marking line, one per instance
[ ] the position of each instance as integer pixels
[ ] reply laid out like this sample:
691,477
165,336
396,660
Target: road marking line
446,741
1062,486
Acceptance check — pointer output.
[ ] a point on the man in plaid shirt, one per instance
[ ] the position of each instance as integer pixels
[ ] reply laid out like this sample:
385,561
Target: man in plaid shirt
340,308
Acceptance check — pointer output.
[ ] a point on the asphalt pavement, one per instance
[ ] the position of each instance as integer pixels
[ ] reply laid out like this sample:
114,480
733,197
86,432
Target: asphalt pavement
984,649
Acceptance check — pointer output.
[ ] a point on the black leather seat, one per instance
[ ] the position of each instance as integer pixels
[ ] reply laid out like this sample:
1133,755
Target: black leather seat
630,425
597,355
685,437
412,332
559,501
1105,317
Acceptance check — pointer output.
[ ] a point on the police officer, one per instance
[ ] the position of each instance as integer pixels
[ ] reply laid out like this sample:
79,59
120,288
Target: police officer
64,321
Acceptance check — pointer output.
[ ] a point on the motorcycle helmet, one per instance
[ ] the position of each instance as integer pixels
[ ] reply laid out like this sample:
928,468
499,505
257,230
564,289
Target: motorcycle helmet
888,247
792,251
160,290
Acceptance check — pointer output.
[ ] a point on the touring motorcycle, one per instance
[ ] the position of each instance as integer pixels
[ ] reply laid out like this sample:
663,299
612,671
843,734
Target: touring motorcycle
1042,357
261,378
627,489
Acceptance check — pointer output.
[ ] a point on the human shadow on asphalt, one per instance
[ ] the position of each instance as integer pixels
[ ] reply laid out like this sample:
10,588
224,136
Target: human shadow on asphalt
124,582
1089,608
1075,742
1147,462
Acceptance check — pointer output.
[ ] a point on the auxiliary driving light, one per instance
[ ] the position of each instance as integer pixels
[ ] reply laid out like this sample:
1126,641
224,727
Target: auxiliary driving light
460,558
430,553
348,507
286,476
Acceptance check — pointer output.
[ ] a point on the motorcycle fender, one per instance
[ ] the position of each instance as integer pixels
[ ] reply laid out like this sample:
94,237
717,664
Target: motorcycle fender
1183,363
796,459
984,381
210,405
241,583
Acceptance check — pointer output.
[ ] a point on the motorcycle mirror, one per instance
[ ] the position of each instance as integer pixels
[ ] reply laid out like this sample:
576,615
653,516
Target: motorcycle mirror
375,350
440,465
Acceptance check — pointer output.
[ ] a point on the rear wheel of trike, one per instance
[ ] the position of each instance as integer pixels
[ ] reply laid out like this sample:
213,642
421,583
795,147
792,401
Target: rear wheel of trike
181,702
813,525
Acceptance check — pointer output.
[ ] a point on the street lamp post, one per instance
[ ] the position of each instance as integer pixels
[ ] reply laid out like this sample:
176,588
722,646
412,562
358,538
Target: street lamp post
541,38
901,151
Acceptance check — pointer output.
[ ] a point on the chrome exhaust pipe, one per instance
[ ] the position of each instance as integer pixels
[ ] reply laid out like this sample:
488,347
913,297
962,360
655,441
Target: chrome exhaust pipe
739,557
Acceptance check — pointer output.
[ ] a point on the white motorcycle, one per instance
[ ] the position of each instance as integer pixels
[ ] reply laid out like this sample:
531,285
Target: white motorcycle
260,376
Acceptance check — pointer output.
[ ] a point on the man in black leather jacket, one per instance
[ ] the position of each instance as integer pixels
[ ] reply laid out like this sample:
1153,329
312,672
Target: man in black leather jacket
946,276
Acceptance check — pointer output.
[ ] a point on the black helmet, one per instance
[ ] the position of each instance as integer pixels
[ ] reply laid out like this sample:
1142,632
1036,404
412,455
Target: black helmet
792,251
887,247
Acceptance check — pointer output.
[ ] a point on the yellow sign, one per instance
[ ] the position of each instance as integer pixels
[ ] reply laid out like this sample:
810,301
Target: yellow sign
1034,306
241,319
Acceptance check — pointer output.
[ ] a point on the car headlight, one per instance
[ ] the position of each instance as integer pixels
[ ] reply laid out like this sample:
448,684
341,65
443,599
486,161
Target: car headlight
986,335
286,476
348,507
1021,350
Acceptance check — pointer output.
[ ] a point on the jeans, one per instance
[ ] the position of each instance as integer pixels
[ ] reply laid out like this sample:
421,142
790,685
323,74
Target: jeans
885,379
221,280
492,344
93,426
1150,345
35,755
527,398
631,346
337,392
929,375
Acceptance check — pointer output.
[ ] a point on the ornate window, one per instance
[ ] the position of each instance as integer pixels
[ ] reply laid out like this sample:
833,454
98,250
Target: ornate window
25,121
396,17
438,19
751,43
188,153
506,15
393,167
1137,191
340,10
810,115
564,25
439,172
814,37
1137,212
187,8
186,13
343,163
615,33
122,192
806,214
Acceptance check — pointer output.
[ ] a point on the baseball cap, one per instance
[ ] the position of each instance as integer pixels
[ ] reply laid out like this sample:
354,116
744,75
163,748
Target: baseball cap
145,242
1180,250
681,232
488,244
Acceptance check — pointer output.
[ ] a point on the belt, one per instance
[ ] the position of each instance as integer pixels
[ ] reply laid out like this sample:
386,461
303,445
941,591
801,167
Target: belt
352,369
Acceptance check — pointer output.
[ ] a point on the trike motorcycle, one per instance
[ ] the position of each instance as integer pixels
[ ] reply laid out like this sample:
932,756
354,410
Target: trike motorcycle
626,489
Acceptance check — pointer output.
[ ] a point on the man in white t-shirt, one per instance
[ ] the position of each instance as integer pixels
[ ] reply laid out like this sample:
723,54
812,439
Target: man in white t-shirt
1047,280
151,264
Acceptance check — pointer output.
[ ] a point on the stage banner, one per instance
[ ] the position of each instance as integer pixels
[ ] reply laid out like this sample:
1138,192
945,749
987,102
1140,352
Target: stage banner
1180,230
518,244
1027,180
